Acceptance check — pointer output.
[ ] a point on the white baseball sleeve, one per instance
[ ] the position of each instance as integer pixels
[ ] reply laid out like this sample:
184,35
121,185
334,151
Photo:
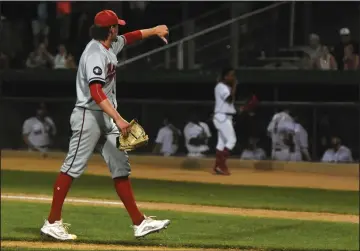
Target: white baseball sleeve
118,45
95,68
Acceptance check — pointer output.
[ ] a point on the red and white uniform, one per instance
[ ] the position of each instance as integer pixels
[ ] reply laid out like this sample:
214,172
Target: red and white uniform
223,117
97,65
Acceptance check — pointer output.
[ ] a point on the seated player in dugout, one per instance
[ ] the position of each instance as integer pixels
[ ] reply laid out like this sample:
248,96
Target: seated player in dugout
167,139
252,151
197,135
337,152
38,131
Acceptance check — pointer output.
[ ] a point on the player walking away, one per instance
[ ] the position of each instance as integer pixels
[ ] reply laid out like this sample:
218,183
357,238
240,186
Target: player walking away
95,116
224,111
281,129
38,131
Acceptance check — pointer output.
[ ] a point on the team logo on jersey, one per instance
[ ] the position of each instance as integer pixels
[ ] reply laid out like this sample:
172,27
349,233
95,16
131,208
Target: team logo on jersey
97,70
111,72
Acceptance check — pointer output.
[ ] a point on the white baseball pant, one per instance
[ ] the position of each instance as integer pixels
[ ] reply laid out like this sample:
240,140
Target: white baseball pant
226,133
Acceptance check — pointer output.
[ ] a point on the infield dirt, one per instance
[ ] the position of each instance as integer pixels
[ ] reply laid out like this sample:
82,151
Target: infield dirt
239,176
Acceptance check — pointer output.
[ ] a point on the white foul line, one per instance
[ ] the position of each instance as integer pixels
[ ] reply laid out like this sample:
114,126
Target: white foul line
36,198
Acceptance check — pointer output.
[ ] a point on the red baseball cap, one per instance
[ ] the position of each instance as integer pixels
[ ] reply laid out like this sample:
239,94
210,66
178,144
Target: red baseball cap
107,18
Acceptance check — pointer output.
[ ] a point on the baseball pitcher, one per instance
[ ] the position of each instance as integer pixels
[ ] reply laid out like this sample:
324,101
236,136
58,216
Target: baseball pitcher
95,116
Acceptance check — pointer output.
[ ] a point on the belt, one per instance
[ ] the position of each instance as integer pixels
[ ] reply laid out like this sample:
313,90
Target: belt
227,113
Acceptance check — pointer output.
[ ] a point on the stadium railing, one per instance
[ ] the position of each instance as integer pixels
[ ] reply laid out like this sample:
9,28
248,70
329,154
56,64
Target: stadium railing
237,41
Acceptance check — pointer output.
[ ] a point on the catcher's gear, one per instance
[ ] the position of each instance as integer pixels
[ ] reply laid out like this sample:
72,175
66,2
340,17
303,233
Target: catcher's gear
135,138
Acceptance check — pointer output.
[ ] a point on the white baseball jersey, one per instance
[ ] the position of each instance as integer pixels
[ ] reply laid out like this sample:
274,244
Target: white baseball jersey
342,155
222,92
257,154
97,64
39,132
280,125
193,130
165,137
301,138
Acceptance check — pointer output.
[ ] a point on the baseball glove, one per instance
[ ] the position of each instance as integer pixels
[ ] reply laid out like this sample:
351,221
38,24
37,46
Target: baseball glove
135,138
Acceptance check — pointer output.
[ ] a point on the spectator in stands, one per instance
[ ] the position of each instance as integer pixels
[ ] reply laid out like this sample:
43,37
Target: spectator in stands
4,61
38,131
40,28
63,60
351,60
325,61
252,151
197,135
337,153
63,11
60,58
305,62
40,58
339,49
314,48
70,62
167,140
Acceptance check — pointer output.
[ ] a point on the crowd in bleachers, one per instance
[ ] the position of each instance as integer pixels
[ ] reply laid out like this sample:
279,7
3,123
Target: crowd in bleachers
53,34
343,56
60,30
320,56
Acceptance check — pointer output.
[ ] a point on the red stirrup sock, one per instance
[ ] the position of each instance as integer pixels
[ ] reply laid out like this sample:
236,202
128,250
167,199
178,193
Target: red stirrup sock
61,187
218,158
225,155
125,193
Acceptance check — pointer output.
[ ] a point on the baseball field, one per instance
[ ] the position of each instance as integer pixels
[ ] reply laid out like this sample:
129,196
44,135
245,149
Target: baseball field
261,206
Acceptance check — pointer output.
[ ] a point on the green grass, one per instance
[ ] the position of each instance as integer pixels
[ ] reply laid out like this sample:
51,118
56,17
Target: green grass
54,249
22,220
293,199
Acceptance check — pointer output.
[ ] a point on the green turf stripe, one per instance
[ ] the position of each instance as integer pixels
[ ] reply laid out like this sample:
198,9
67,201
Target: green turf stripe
292,199
22,221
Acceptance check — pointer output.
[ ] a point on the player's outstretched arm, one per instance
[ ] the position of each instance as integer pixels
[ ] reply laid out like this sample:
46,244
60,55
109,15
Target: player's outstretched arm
161,31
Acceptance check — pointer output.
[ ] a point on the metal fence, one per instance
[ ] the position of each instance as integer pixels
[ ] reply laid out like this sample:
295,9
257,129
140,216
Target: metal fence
319,119
236,41
183,29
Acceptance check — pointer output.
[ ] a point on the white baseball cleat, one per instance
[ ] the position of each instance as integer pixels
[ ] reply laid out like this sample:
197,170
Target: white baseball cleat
149,225
57,230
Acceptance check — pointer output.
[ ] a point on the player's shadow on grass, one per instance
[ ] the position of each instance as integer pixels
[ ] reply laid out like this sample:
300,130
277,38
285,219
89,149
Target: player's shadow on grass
28,230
